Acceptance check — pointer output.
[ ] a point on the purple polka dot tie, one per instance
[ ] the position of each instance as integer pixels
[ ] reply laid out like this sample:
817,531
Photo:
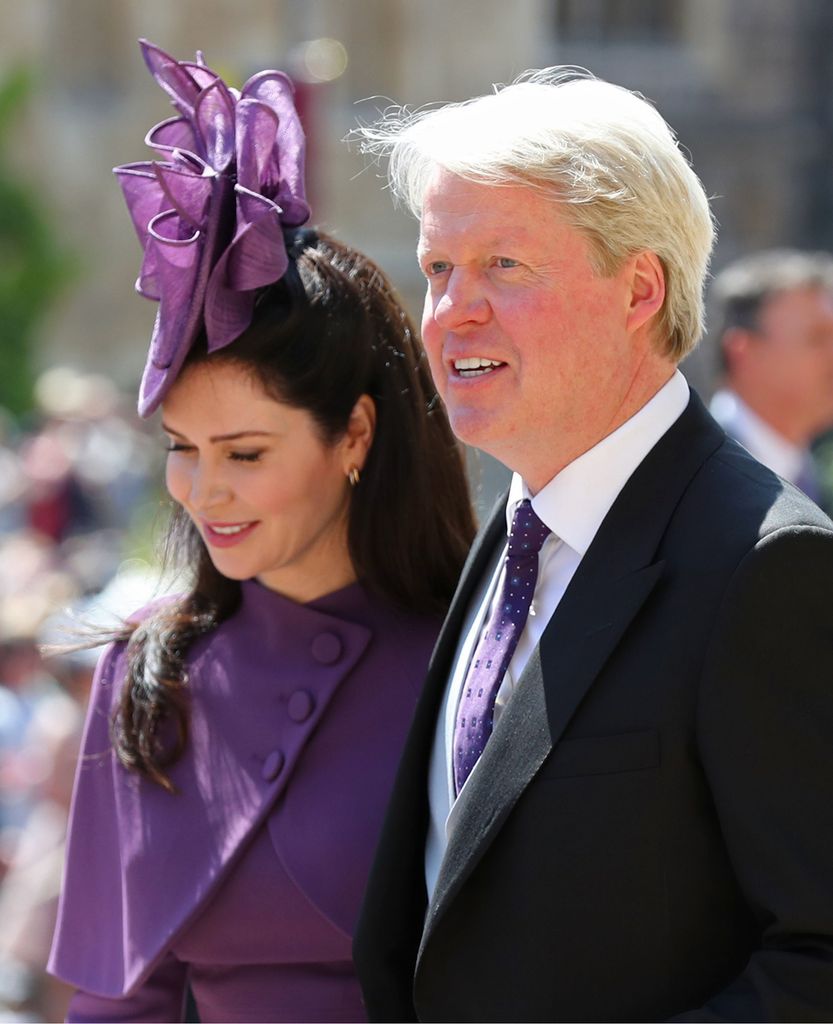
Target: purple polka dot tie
496,646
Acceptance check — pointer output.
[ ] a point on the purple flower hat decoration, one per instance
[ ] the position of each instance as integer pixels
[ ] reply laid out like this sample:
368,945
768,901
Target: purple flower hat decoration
210,214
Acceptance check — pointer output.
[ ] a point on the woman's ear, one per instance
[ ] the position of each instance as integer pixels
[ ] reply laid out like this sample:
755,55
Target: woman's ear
358,436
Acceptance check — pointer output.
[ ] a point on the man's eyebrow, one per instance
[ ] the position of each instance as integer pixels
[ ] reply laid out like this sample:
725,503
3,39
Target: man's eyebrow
509,237
217,438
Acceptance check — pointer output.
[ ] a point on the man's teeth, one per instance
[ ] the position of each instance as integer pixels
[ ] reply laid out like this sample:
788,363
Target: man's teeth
228,530
473,366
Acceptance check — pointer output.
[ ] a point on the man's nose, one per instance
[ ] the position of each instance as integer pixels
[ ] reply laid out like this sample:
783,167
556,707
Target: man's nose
461,301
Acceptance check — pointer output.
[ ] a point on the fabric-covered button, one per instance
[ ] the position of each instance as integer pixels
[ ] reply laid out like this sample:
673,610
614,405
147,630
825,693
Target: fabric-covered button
272,765
300,706
326,648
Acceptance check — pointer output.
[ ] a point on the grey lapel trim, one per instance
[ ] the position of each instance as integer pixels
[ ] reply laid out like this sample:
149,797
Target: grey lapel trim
516,750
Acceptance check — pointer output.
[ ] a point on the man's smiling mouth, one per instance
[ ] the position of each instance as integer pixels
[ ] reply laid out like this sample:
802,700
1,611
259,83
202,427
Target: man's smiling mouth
475,366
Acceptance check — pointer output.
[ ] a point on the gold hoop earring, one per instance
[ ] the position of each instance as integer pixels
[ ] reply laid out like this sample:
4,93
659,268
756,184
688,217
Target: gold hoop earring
354,476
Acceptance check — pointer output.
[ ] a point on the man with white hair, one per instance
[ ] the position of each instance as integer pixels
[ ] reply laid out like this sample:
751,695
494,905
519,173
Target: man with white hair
614,803
774,325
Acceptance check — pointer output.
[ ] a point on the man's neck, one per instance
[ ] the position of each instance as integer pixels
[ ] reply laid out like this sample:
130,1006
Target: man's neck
780,421
643,388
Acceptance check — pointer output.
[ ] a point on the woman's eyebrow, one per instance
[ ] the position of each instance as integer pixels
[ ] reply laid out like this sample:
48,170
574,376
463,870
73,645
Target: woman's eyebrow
240,433
236,436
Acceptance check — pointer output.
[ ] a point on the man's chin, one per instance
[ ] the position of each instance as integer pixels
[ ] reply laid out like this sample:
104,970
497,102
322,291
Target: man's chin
475,428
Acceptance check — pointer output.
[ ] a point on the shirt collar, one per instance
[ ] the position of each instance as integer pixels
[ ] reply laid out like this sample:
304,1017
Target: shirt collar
576,500
763,441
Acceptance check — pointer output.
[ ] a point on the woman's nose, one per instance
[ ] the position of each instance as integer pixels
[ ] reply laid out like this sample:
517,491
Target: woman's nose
207,488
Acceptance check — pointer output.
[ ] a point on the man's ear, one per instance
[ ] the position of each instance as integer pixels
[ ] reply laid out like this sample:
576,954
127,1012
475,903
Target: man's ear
358,437
647,289
735,343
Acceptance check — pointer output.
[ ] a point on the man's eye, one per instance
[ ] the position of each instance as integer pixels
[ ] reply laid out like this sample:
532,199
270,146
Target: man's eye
245,456
506,262
436,267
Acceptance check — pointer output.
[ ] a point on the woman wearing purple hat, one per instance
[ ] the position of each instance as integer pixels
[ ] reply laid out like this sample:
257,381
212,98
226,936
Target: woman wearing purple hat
242,738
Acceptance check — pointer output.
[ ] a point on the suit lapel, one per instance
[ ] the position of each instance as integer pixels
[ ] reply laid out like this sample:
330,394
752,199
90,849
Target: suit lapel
614,579
394,908
421,737
477,563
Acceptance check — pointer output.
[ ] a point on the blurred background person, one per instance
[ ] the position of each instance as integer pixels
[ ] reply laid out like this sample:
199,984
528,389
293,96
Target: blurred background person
774,328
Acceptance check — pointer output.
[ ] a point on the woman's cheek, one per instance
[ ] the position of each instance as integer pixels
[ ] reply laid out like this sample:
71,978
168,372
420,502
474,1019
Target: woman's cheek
175,479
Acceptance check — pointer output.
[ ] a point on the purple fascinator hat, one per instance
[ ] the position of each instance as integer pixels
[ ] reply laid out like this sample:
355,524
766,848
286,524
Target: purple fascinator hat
210,214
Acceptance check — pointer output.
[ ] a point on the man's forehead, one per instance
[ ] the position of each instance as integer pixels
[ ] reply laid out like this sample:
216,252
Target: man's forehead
504,212
791,313
492,233
809,296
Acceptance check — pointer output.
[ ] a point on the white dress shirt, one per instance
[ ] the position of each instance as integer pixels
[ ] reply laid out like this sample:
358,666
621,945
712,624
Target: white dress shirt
573,505
783,457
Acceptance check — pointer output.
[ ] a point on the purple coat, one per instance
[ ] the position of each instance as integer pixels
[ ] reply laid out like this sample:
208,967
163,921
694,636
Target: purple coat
247,881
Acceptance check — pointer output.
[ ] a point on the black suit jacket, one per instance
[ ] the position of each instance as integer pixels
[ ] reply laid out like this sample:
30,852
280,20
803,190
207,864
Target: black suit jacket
649,832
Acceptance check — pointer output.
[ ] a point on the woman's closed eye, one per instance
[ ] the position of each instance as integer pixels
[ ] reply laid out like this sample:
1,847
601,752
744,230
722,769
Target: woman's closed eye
234,456
245,456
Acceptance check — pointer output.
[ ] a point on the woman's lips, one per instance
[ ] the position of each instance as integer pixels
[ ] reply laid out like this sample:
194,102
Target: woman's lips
226,535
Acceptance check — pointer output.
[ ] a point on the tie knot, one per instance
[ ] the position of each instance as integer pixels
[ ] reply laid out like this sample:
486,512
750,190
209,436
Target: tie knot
528,533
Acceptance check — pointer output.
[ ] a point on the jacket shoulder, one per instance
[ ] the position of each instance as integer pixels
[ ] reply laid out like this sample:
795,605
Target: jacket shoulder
744,501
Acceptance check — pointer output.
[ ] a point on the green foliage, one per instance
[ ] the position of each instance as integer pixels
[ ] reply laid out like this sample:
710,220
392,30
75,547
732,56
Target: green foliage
33,268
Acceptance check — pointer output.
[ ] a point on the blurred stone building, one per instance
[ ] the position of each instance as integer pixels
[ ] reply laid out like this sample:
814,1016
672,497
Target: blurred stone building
746,84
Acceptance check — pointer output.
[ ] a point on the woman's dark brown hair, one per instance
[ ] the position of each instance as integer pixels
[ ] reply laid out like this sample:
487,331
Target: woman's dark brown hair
329,331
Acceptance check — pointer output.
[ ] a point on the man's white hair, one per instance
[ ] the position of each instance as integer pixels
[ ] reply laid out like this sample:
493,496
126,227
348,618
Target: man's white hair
602,151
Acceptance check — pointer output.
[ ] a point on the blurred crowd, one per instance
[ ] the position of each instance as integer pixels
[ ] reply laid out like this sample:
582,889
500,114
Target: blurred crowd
79,495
